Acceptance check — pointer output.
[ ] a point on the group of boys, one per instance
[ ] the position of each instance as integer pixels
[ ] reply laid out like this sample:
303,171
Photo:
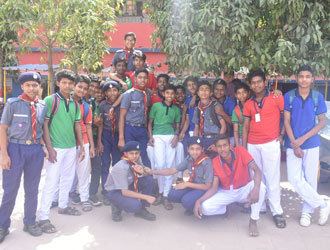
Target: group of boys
147,130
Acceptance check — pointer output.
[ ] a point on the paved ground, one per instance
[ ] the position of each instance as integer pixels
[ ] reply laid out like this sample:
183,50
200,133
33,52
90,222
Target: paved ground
173,230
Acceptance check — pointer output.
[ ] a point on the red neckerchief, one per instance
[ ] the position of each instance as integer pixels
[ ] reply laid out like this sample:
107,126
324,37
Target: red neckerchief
195,164
144,99
201,118
135,182
113,121
128,52
25,98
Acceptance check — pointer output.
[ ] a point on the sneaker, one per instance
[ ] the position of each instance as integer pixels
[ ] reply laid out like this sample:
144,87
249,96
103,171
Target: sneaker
167,204
159,200
145,214
95,200
305,219
324,214
75,198
3,233
33,229
116,213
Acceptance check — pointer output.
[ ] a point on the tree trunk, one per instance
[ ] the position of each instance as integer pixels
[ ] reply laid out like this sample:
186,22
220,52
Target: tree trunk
75,68
51,70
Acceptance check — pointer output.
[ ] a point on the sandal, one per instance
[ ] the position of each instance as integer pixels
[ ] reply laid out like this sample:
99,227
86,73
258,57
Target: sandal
47,227
279,221
69,211
86,206
167,204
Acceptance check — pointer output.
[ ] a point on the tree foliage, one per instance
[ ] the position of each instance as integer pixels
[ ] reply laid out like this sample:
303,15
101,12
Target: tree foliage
212,36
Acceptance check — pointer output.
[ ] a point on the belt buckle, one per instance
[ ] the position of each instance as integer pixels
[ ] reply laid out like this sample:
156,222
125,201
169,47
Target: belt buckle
28,142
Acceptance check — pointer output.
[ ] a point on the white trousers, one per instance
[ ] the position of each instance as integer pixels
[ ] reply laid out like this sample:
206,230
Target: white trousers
83,174
179,157
218,202
59,176
302,174
164,156
268,158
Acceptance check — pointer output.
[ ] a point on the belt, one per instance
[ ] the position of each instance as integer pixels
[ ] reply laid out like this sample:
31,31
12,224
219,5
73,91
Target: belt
209,136
25,142
135,124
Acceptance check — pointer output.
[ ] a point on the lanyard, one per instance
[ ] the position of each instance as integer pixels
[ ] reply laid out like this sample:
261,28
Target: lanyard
260,105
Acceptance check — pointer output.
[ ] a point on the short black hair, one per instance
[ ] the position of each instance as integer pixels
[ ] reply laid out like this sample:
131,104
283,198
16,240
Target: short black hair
204,83
141,71
169,87
221,137
190,79
140,54
118,60
231,73
220,82
165,76
82,78
241,85
305,68
181,87
94,78
132,34
65,73
258,72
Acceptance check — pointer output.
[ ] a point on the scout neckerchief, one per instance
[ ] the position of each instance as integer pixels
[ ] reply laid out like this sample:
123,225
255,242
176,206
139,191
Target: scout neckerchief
113,121
135,182
195,164
128,52
230,166
145,100
201,118
25,98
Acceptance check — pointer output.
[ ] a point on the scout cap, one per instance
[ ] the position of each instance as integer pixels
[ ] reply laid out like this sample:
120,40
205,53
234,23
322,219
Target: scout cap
195,140
29,76
110,85
138,53
131,146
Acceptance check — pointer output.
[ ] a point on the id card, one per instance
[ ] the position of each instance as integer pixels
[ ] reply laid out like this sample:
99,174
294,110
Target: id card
257,117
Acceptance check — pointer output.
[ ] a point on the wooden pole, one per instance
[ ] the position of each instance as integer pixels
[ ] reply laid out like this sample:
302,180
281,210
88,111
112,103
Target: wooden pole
276,82
4,86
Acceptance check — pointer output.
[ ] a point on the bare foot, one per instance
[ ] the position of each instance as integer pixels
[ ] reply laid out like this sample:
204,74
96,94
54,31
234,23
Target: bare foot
253,229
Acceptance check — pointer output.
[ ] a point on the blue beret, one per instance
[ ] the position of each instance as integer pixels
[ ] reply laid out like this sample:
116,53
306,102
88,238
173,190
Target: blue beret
110,85
195,140
131,145
29,76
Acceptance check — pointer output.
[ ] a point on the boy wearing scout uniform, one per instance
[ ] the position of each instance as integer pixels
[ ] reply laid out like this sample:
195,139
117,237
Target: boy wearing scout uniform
129,187
22,149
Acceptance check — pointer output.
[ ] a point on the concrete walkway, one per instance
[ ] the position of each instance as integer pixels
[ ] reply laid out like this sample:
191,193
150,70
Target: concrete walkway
173,230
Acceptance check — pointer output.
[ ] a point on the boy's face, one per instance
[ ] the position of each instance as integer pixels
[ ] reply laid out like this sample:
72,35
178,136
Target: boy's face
228,78
242,95
195,150
65,85
92,88
223,148
192,87
180,95
305,79
121,68
204,92
130,42
31,89
219,91
138,63
112,94
142,80
99,95
80,90
133,156
258,85
161,83
169,95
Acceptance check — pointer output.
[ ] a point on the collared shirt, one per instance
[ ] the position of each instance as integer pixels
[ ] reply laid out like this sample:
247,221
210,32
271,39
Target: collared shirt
120,177
228,106
152,83
157,97
303,117
190,112
209,127
234,118
236,173
17,115
269,110
122,54
133,102
164,117
88,121
104,108
203,172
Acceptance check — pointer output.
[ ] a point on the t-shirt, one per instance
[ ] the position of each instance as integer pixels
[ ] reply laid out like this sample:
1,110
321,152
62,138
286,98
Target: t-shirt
157,97
121,53
62,125
152,83
237,174
190,112
88,121
235,119
164,117
268,128
95,108
303,117
203,172
228,106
